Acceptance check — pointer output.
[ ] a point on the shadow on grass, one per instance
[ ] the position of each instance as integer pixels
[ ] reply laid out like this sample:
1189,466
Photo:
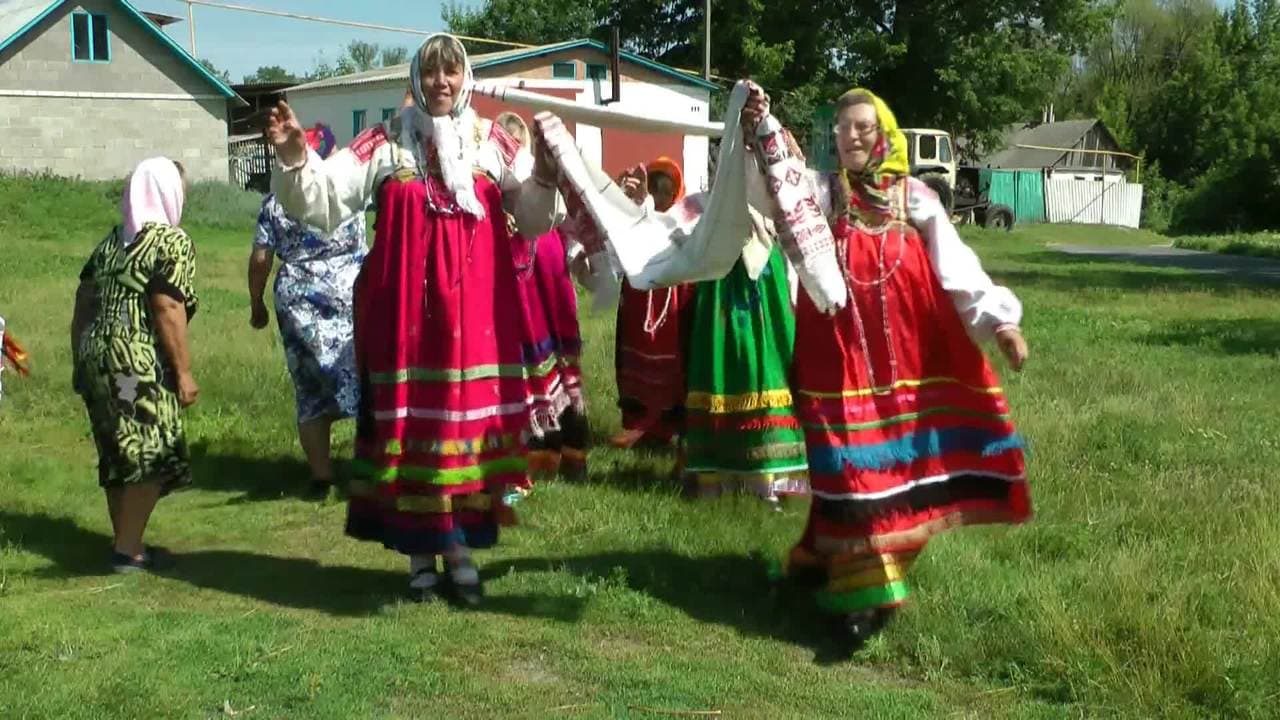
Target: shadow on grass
1215,274
1236,336
254,477
729,590
299,583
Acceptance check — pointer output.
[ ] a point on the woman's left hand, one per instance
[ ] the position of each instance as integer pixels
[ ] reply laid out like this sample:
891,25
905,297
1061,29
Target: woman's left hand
258,315
1013,346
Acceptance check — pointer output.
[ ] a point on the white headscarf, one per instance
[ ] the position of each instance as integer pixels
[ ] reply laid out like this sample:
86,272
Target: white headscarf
153,193
453,135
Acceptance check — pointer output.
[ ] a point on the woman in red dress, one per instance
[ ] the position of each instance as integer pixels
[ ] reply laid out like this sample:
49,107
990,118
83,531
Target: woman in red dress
652,331
907,429
445,411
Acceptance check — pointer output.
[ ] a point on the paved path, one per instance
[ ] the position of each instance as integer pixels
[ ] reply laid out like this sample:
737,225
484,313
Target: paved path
1265,270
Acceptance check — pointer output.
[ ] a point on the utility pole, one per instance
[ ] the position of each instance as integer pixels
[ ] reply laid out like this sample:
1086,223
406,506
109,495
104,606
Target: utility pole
706,44
191,26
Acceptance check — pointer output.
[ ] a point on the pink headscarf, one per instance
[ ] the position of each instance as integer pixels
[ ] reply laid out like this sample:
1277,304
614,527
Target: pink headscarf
153,194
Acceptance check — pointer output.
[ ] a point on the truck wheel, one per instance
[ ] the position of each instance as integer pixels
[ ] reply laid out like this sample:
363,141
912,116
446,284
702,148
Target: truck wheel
938,184
998,217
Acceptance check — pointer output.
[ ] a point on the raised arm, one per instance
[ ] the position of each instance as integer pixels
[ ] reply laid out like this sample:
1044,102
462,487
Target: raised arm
528,184
324,193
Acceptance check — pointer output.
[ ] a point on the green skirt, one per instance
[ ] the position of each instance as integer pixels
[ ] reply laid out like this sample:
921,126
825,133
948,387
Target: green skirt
742,431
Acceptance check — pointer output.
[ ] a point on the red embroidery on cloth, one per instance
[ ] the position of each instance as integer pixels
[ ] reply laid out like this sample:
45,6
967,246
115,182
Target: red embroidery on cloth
506,144
368,142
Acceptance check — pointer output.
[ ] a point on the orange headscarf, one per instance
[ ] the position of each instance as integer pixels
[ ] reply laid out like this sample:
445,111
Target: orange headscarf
666,166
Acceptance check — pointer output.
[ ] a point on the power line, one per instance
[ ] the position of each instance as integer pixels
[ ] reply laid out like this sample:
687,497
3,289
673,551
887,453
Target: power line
333,21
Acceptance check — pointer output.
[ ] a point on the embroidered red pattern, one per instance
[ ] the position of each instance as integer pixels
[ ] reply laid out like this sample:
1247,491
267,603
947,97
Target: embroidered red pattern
368,142
506,144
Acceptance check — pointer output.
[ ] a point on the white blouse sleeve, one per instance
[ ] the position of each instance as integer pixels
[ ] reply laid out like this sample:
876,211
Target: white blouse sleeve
324,193
983,306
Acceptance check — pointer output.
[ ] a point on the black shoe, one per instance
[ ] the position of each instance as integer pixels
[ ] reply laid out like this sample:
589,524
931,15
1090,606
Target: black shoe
856,629
319,489
152,560
469,594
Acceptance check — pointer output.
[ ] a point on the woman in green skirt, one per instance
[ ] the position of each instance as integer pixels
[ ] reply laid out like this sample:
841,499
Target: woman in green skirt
132,365
742,434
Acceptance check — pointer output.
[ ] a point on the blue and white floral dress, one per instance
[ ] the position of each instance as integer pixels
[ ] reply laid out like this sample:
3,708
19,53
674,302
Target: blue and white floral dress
313,307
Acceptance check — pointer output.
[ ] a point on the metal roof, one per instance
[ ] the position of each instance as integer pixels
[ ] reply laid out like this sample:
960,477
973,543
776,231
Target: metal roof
493,59
17,17
1062,134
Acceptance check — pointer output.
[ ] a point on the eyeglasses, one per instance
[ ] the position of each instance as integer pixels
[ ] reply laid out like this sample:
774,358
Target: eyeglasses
862,129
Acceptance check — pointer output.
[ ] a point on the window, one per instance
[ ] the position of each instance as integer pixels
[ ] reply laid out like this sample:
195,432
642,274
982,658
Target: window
564,71
597,72
387,113
358,121
90,40
944,150
927,149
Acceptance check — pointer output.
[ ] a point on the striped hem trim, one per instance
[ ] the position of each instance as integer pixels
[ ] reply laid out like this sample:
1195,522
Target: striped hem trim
912,447
922,482
925,382
890,595
478,372
908,417
917,536
401,413
439,476
746,402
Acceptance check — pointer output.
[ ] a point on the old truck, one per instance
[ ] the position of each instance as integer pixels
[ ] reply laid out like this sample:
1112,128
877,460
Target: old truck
933,160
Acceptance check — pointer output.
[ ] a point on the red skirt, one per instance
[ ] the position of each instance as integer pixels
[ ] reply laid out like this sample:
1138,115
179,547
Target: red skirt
907,430
652,341
445,371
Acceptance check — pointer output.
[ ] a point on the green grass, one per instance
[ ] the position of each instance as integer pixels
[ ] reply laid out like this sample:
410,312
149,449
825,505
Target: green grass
1146,586
1250,244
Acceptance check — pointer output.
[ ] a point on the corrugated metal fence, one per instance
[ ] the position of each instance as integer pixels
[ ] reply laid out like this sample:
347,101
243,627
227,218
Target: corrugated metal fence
251,157
1093,201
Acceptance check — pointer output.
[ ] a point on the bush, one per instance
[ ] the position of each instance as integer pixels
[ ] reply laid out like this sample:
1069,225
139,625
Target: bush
221,205
1160,200
1233,197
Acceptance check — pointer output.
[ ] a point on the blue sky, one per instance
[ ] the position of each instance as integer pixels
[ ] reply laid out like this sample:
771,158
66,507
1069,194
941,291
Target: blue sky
240,43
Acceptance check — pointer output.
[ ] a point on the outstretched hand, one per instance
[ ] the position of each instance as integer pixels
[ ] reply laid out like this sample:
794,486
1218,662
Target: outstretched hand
1013,346
285,133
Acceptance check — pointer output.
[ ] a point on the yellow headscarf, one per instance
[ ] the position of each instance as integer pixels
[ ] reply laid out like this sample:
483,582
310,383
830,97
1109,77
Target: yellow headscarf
868,191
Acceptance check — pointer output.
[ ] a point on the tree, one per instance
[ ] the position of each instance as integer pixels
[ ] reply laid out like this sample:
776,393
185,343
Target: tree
970,67
213,70
270,74
360,57
540,22
394,56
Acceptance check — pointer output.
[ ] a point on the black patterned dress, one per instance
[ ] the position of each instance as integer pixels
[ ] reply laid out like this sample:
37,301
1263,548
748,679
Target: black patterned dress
127,382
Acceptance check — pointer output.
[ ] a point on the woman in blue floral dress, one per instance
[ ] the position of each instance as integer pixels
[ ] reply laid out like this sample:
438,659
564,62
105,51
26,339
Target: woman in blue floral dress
313,309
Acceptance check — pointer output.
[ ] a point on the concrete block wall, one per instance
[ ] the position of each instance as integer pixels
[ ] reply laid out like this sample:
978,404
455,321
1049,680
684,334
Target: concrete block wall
101,139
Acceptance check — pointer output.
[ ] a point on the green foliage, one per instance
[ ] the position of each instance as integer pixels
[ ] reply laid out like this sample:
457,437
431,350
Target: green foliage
222,75
270,74
1194,90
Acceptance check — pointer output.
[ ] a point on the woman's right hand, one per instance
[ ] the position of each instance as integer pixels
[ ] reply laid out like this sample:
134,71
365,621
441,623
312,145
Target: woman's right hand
285,133
258,315
635,184
188,391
